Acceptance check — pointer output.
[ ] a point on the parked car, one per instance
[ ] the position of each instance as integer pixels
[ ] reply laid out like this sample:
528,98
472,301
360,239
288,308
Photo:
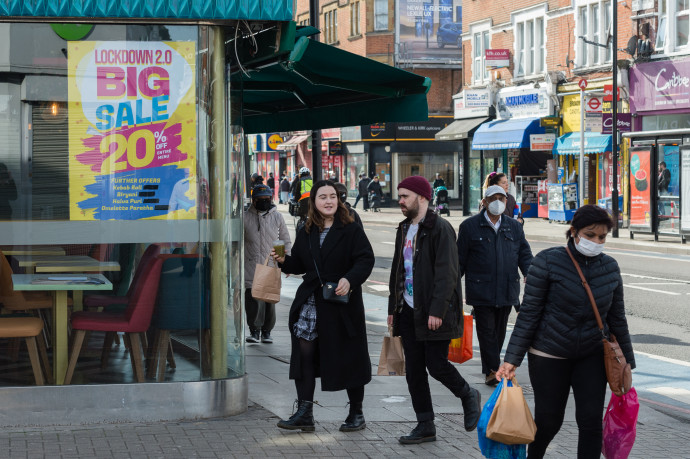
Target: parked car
449,33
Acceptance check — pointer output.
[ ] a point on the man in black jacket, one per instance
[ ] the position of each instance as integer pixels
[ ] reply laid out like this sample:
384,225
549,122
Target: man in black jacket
362,192
425,307
491,248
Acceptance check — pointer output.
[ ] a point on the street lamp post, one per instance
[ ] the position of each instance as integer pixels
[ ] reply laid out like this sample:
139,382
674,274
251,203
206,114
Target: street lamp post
315,134
614,116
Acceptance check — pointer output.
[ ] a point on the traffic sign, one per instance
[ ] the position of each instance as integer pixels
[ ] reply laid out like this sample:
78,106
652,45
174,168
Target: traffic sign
582,84
594,104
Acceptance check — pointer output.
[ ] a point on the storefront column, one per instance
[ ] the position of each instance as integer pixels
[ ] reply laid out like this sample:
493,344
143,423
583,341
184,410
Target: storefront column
218,171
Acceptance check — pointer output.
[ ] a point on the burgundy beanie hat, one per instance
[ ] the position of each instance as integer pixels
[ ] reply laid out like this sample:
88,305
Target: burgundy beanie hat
417,184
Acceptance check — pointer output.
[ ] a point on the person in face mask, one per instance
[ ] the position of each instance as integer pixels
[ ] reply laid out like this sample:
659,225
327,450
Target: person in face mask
558,331
263,224
491,249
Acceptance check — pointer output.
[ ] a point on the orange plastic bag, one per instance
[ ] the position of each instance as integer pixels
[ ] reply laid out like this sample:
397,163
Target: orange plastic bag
460,349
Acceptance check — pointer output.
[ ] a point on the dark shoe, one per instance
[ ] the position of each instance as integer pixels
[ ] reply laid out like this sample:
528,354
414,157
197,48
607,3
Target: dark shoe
424,432
303,419
472,408
266,337
490,379
355,420
254,336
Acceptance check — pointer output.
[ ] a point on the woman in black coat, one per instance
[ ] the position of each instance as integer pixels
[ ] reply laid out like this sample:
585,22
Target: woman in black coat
557,328
329,338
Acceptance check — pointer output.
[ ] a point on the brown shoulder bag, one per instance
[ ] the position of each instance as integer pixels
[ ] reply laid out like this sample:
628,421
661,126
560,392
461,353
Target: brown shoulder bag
618,371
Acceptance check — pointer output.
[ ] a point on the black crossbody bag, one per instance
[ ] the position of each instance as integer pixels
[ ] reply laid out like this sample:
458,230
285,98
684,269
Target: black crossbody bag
329,287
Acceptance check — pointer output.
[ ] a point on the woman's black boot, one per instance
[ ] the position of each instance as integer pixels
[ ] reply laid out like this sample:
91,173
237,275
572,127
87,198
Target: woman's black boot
303,419
355,420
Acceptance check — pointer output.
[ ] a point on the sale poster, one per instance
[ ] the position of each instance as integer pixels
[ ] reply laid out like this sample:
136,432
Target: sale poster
640,208
132,130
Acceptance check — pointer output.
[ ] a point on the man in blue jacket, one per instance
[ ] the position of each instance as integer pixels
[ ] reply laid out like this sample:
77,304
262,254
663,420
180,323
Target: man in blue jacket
491,248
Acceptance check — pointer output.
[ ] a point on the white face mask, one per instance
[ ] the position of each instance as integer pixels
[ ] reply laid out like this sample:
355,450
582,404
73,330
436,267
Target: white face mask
589,248
497,207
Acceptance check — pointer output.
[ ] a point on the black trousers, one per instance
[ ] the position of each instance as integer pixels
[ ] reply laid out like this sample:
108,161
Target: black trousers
551,380
421,356
261,316
357,200
491,323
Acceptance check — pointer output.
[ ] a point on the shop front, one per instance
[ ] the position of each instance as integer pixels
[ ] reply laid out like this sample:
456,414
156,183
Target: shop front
121,188
660,149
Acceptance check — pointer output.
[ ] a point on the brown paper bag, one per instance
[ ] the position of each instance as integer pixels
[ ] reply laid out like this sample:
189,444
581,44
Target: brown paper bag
392,360
511,421
266,285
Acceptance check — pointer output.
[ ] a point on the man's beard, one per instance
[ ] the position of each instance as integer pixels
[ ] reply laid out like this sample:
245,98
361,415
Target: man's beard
411,212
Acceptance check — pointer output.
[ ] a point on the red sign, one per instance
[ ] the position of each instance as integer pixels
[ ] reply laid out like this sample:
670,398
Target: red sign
594,103
582,84
608,93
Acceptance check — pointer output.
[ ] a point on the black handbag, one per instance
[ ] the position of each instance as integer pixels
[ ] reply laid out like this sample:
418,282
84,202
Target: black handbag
329,287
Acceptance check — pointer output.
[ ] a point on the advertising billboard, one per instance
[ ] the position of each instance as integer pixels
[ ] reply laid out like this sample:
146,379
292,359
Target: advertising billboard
132,130
429,30
640,195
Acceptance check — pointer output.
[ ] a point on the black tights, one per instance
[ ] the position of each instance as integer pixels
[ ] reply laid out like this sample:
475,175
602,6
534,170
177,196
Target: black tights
306,384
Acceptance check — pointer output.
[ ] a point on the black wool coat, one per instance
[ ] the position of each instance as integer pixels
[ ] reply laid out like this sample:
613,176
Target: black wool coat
343,353
436,282
556,316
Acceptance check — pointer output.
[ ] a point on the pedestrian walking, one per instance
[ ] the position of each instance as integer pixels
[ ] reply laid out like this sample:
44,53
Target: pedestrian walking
425,307
271,181
284,190
329,338
557,328
263,224
438,181
342,195
362,188
491,249
511,208
376,193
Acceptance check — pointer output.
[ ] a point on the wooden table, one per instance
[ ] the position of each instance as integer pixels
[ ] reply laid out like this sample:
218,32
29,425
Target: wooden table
32,250
27,282
64,264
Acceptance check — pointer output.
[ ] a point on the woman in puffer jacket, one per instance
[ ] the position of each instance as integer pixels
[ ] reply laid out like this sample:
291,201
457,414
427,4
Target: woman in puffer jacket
557,328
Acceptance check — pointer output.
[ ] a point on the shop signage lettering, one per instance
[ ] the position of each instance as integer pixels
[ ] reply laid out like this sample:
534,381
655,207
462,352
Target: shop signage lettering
496,58
623,121
660,85
674,82
523,103
522,100
132,129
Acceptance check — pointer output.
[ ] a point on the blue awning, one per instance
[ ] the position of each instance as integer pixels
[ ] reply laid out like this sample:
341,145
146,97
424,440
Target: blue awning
502,134
569,144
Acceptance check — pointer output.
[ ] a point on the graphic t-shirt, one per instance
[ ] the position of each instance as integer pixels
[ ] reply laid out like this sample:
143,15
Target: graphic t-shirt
408,257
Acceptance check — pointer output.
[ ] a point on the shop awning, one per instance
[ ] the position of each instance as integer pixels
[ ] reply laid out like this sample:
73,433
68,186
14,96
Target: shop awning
459,129
503,134
569,144
319,86
292,142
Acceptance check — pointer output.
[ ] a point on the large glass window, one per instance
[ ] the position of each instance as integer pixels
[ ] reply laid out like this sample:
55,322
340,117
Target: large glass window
481,44
380,15
593,32
106,202
529,47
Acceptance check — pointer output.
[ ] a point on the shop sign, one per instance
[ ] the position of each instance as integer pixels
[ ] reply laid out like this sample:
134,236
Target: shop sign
640,176
273,141
570,113
542,142
496,58
333,133
335,148
132,130
608,93
660,85
685,190
550,121
378,132
523,103
423,130
472,103
623,120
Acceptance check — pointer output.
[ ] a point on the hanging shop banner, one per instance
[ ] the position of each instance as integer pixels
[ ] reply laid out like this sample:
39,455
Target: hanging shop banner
640,206
496,58
685,190
132,130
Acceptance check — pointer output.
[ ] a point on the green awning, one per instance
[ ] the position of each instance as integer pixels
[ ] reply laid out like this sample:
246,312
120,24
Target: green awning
318,86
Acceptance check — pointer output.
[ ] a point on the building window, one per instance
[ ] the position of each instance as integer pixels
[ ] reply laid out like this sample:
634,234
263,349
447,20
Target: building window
480,45
593,30
330,21
354,19
529,47
380,14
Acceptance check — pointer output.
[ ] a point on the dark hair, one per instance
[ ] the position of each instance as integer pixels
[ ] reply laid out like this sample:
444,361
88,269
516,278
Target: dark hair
589,215
342,191
315,218
662,163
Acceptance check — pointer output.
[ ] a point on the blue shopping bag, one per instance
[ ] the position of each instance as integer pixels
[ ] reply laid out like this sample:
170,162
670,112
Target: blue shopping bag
490,448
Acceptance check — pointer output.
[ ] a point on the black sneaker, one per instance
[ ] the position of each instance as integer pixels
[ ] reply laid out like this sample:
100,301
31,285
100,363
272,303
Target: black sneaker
266,337
254,337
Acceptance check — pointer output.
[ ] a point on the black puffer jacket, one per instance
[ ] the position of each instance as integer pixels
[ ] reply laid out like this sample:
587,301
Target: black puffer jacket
437,287
556,316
